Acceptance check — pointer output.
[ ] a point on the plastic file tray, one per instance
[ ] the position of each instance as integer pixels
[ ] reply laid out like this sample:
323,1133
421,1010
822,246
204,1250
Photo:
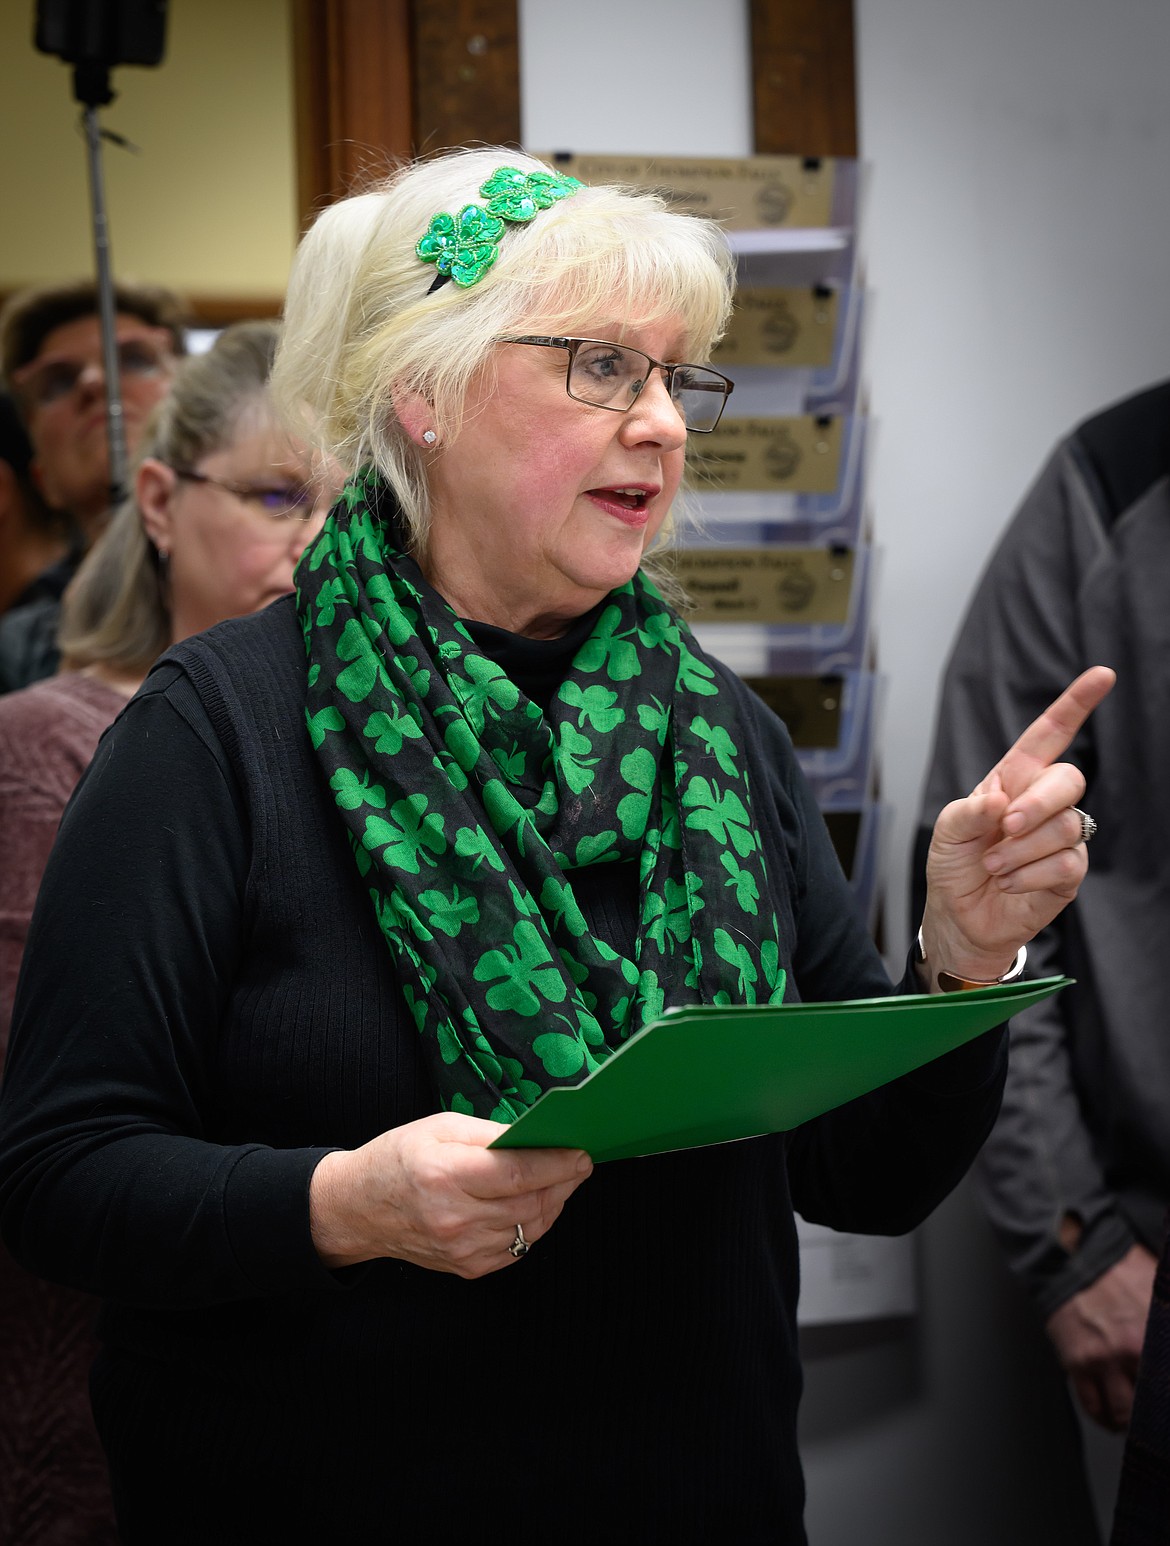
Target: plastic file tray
748,647
815,708
813,256
757,650
747,520
856,834
786,199
840,776
718,506
805,255
773,386
838,388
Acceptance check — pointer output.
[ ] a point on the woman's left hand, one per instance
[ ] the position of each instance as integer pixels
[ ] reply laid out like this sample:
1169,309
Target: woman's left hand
1004,861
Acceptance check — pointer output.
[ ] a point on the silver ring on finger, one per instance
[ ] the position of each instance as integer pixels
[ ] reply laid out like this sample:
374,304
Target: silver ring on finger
519,1247
1088,825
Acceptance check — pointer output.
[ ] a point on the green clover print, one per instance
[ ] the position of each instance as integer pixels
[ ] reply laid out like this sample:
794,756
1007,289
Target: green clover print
640,770
743,882
474,843
410,837
576,764
522,974
388,731
557,899
322,722
511,1069
328,596
596,705
597,848
357,679
611,649
352,792
721,814
668,919
717,741
736,954
449,913
462,247
484,690
694,676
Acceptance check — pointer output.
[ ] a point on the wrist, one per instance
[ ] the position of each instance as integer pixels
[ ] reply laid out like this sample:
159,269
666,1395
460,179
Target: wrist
330,1223
949,967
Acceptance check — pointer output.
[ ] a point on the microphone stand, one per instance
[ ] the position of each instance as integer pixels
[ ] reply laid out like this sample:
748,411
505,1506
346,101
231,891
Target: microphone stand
91,87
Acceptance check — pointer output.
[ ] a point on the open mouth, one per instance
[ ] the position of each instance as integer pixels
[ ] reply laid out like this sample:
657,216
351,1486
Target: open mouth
628,498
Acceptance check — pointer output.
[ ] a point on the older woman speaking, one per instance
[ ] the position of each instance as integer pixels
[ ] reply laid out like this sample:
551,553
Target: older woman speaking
355,880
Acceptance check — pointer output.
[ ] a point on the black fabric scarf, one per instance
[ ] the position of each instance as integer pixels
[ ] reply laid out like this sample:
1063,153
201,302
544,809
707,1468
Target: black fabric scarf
469,809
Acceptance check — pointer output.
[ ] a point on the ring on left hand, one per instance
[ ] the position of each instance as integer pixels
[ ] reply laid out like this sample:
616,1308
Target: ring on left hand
1088,825
519,1247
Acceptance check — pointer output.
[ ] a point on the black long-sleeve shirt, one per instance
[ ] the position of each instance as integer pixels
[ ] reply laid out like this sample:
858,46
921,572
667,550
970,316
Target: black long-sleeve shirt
207,1006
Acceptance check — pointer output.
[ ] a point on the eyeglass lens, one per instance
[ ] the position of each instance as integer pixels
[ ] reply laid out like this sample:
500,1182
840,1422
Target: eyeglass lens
612,376
280,504
56,379
292,501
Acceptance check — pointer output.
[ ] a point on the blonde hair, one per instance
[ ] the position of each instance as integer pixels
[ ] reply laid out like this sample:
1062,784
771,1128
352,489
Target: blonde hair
361,322
116,611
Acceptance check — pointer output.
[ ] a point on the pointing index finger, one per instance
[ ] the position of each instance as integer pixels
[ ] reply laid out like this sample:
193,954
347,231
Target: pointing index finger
1048,736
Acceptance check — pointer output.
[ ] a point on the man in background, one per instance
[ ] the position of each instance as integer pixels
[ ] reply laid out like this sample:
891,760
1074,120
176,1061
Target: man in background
1076,1175
33,539
51,362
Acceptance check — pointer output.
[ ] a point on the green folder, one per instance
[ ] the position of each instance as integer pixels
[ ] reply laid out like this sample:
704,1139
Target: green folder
700,1075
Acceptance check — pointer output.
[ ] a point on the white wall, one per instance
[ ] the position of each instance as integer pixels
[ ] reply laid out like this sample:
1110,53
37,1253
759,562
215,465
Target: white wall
636,76
1017,233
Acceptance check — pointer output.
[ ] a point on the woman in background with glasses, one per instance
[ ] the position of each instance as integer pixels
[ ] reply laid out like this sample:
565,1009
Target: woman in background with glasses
437,836
224,503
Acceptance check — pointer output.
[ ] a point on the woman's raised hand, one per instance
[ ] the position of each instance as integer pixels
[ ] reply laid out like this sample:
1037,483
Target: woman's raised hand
431,1192
1005,860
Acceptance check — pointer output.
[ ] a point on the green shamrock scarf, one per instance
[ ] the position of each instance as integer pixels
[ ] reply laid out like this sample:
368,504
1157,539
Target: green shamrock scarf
469,810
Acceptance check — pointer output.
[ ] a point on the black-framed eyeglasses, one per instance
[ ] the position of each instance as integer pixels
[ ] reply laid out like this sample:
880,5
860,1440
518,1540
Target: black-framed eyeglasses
608,375
285,502
44,382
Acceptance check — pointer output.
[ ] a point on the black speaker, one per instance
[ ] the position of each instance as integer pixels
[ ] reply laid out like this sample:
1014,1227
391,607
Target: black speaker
102,33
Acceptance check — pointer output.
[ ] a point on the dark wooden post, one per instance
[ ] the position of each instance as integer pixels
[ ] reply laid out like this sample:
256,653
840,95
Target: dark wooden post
379,79
354,94
803,77
466,73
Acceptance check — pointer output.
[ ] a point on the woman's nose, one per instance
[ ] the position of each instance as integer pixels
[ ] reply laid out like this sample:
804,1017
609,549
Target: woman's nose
656,416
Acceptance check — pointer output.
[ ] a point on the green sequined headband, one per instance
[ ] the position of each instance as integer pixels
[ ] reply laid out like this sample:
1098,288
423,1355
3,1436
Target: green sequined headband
463,247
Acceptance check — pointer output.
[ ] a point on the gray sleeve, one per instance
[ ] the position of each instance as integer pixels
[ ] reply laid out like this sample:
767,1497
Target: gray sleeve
1040,1165
1019,646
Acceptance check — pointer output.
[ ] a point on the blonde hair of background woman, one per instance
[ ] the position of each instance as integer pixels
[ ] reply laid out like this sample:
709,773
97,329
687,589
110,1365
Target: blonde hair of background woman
115,612
360,323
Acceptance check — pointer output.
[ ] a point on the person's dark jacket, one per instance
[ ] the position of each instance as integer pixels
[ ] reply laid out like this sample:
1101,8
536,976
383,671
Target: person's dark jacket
1081,577
28,633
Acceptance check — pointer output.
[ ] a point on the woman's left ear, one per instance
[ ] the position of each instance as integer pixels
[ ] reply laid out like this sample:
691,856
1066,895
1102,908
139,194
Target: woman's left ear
415,414
154,485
